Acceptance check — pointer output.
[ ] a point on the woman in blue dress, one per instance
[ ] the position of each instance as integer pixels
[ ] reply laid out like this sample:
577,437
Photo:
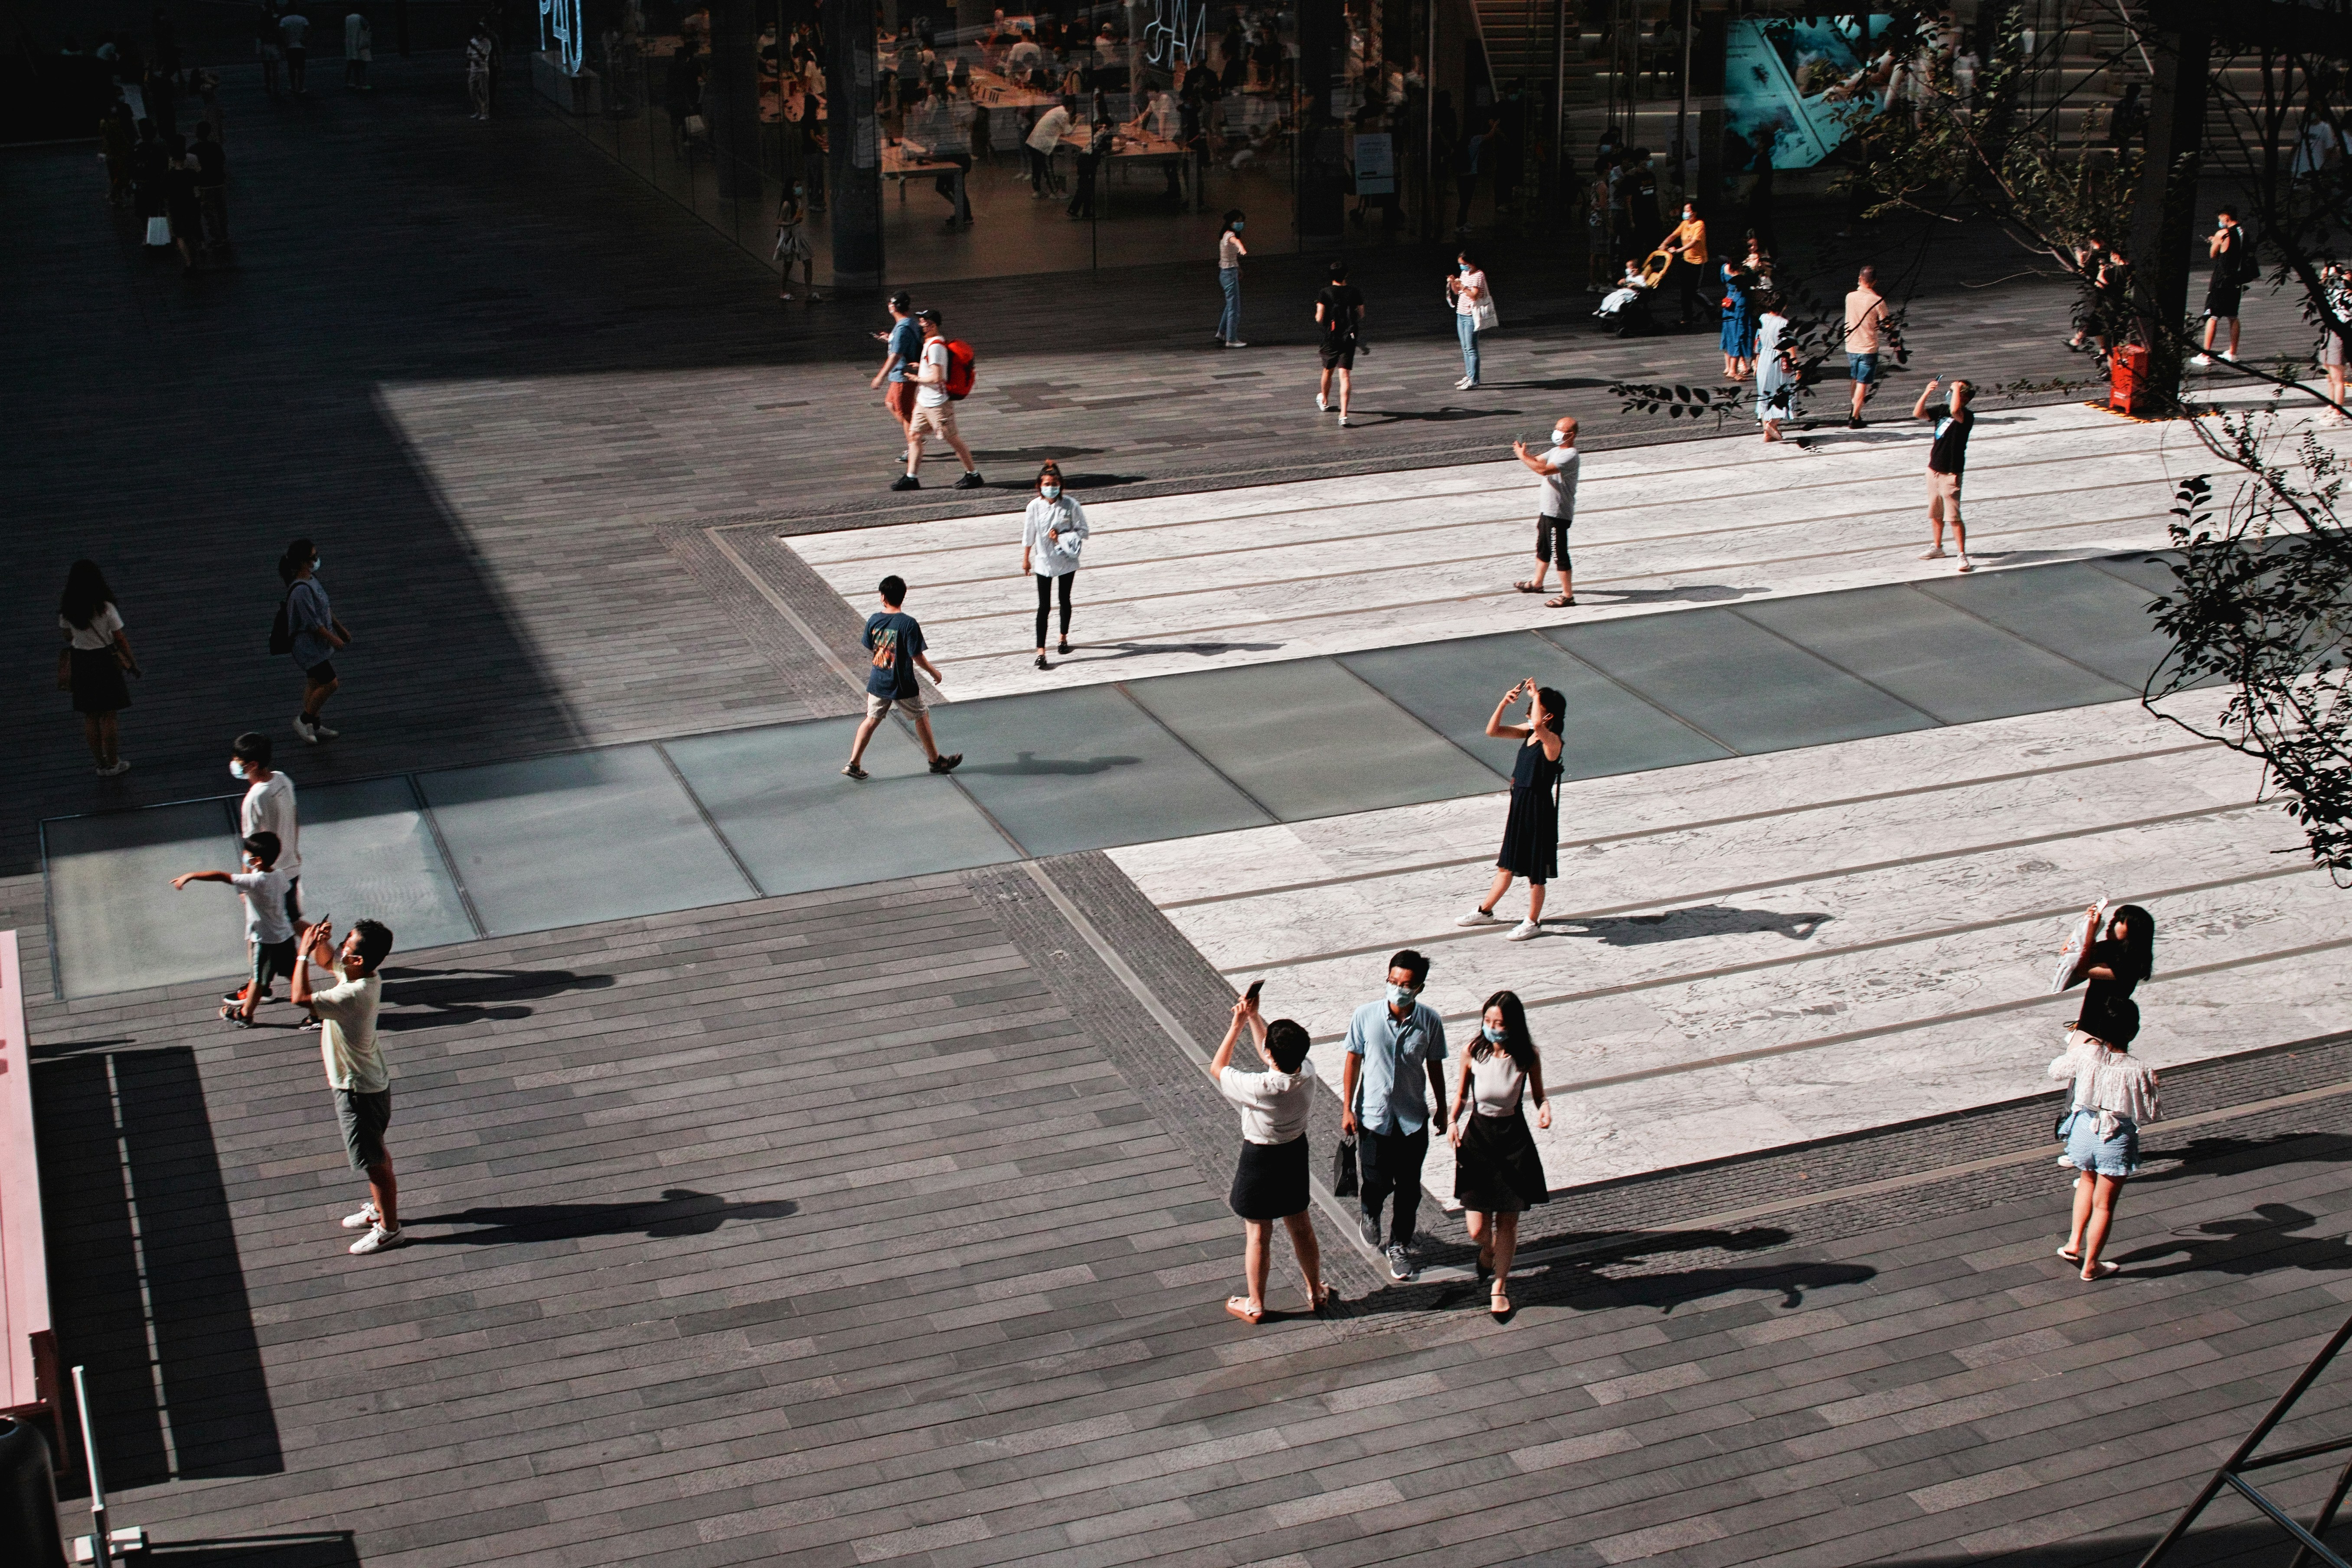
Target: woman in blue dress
1739,323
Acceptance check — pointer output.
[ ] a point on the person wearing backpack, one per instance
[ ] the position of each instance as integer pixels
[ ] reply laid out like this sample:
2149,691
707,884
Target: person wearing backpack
2233,268
308,629
942,379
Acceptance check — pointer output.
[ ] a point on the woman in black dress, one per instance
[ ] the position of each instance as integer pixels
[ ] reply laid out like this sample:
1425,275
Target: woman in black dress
1497,1175
96,652
1531,834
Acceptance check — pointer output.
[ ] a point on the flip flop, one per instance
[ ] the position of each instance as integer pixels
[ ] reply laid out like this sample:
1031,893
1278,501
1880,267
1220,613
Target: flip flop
1238,1307
2070,1256
1529,588
2101,1269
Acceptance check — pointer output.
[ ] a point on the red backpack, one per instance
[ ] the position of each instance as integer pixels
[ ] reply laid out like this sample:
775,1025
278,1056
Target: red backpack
961,370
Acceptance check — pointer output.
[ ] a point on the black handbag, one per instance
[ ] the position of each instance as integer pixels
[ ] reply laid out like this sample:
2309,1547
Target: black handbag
2059,1131
1343,1168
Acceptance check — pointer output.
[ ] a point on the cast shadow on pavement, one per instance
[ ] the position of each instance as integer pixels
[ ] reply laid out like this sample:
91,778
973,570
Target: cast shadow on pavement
1623,1276
1030,765
1681,925
2243,1245
1690,593
1197,649
334,1549
679,1211
474,996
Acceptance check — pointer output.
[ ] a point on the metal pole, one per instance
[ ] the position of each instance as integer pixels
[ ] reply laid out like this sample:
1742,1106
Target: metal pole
1681,105
1429,198
98,1532
1558,103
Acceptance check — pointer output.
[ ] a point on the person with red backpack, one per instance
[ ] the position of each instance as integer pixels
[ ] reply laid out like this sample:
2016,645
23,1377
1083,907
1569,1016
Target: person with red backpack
942,379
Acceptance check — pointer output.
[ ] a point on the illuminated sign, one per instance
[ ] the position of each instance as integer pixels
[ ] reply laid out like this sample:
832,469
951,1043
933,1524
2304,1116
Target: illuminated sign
560,25
1179,30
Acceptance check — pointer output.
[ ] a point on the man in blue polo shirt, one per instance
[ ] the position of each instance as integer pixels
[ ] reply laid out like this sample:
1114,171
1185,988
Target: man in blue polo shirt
1392,1043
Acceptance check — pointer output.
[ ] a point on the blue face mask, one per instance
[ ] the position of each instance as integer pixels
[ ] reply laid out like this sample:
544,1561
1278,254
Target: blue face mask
1051,492
1496,1035
237,770
1399,995
1237,226
1465,269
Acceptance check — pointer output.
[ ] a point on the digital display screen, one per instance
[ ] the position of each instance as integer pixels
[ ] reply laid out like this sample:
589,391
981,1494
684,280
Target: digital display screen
1800,79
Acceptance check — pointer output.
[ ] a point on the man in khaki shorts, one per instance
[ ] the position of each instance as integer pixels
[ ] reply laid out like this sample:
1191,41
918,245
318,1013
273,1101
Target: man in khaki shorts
895,641
934,411
1947,459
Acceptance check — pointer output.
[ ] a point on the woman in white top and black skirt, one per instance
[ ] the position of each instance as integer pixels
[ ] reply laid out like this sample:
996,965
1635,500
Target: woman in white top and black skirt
1270,1183
1053,533
1531,832
2114,1094
1497,1175
95,655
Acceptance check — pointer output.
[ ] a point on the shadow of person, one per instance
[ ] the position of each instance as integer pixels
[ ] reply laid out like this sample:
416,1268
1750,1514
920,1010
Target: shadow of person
1629,1275
2243,1245
2216,1155
473,995
1197,649
1029,764
1691,594
1683,925
680,1211
1444,415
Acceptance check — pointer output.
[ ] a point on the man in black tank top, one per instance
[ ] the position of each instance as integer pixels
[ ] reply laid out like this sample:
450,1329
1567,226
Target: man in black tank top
1946,462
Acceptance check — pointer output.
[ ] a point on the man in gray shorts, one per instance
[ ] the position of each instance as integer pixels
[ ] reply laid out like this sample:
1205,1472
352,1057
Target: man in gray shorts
896,643
356,1070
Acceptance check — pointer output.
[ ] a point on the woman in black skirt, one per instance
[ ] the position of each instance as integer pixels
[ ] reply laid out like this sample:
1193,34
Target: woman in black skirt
1531,834
1498,1173
1270,1183
96,652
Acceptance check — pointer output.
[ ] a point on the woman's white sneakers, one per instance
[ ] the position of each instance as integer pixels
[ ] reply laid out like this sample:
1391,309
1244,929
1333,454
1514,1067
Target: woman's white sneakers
1480,918
1523,932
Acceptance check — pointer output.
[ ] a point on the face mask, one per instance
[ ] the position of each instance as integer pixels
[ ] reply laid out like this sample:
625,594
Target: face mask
237,770
1496,1035
1560,437
314,563
1051,492
1399,995
1238,228
1465,269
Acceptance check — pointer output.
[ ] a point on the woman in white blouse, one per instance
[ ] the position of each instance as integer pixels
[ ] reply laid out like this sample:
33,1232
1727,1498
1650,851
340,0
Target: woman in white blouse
90,666
1053,533
1497,1175
2115,1096
1270,1183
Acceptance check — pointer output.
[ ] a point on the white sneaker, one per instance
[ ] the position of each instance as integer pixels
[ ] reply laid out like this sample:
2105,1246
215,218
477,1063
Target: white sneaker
1343,422
2202,358
378,1239
116,770
322,732
1523,932
1237,343
303,732
364,1218
1967,565
1480,918
1461,386
1934,555
2230,355
1322,404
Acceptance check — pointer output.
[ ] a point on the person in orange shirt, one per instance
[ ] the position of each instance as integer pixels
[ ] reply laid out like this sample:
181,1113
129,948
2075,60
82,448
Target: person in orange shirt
1687,246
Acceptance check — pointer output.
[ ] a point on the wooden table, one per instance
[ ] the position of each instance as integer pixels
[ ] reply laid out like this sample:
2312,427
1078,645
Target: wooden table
902,162
1136,150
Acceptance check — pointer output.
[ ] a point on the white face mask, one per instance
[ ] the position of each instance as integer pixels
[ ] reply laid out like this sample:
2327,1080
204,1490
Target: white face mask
1051,492
237,770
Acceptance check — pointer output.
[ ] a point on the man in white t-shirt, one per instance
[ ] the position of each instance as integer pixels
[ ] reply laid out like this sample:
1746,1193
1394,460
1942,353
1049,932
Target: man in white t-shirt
934,410
362,1084
1558,470
359,49
294,32
1044,137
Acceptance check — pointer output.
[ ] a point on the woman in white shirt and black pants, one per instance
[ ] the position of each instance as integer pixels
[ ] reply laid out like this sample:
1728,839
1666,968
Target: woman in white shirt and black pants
1270,1183
1053,533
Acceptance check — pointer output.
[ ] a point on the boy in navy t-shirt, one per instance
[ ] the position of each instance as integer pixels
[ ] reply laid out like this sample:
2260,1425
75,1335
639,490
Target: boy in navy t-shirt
894,641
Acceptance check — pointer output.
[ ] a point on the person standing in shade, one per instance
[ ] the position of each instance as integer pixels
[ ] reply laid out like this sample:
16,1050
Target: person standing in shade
934,409
1776,378
481,48
905,338
1393,1046
1558,470
1053,533
1947,460
1472,309
294,32
355,1071
1339,311
1686,244
210,163
359,50
1230,251
2115,1095
894,641
1270,1180
1865,321
318,637
267,45
97,651
1531,832
1497,1175
1044,137
2227,248
793,248
268,808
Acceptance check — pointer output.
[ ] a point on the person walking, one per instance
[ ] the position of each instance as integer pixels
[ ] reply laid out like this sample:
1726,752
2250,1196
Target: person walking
210,163
2337,281
267,46
793,247
1531,831
183,207
294,32
481,47
268,808
268,934
1340,312
1685,245
1865,322
118,141
315,637
894,641
1394,1045
356,1073
934,409
1270,1179
1230,251
1776,376
904,338
1557,469
1473,312
2227,248
1497,1175
150,186
359,50
1053,533
1948,459
90,666
2115,1095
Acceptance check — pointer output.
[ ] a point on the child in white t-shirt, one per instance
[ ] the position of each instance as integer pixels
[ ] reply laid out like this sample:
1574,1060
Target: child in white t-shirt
268,931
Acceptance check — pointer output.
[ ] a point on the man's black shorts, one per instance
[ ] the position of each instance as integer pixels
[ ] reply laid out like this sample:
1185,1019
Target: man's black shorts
364,1117
322,673
1339,353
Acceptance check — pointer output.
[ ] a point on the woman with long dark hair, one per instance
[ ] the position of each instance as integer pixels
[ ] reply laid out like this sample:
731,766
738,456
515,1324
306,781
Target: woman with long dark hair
1053,532
1531,832
90,666
1497,1175
2115,1095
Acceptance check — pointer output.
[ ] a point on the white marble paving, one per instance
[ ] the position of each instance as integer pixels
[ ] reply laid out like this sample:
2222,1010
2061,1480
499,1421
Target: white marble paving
1187,583
1719,931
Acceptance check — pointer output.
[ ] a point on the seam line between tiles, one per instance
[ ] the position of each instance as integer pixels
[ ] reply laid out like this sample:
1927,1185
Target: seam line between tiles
449,859
709,822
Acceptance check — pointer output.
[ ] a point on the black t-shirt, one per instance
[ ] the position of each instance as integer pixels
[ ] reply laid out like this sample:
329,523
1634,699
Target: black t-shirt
2109,1011
210,162
1341,303
1951,454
